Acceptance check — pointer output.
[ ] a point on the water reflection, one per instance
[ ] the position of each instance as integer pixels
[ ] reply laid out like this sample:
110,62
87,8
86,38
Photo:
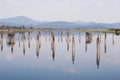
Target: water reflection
73,49
24,42
71,39
88,39
79,38
113,39
29,38
67,40
53,45
38,43
61,36
105,42
98,51
19,38
10,40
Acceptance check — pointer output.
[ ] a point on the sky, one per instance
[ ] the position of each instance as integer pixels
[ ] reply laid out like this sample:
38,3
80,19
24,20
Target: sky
105,11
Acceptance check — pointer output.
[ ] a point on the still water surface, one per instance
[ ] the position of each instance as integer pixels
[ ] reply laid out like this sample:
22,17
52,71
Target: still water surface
59,55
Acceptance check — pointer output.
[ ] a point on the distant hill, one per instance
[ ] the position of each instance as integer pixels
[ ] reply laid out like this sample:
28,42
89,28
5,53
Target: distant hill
18,21
62,24
21,20
57,24
115,25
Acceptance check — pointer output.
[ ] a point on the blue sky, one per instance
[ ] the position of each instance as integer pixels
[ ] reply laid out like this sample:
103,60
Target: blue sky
63,10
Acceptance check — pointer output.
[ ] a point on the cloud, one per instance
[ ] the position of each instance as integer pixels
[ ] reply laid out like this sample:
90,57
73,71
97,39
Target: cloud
67,10
67,2
9,1
99,2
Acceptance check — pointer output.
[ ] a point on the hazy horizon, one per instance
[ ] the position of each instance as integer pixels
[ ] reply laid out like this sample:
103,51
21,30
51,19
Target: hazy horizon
100,11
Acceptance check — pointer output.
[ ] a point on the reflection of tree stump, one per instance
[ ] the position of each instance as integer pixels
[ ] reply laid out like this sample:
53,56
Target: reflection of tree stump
105,43
24,43
73,49
11,40
38,44
67,40
1,41
98,52
53,45
88,39
29,36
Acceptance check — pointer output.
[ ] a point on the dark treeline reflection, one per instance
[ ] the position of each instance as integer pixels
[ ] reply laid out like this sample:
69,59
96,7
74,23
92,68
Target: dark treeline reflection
54,37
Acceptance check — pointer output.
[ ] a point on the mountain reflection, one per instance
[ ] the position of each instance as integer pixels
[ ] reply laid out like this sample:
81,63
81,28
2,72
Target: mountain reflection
55,38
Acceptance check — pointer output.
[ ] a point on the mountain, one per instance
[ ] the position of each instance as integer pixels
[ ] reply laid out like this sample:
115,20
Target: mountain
115,25
18,21
80,22
27,22
57,24
71,25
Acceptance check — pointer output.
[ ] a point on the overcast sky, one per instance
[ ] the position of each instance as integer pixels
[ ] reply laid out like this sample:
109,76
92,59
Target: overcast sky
63,10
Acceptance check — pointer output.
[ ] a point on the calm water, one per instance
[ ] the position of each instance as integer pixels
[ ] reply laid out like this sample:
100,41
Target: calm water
59,56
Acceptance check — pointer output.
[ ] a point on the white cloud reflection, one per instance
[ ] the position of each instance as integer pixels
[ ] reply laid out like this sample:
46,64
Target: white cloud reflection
115,60
9,57
71,71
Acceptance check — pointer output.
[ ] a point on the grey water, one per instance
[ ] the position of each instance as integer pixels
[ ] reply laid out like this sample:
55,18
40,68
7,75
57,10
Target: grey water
59,55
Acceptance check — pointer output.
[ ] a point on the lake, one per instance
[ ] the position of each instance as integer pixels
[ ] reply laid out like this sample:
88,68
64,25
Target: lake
59,55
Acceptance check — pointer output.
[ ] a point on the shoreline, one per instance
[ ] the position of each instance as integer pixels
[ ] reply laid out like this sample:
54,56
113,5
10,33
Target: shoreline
17,29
